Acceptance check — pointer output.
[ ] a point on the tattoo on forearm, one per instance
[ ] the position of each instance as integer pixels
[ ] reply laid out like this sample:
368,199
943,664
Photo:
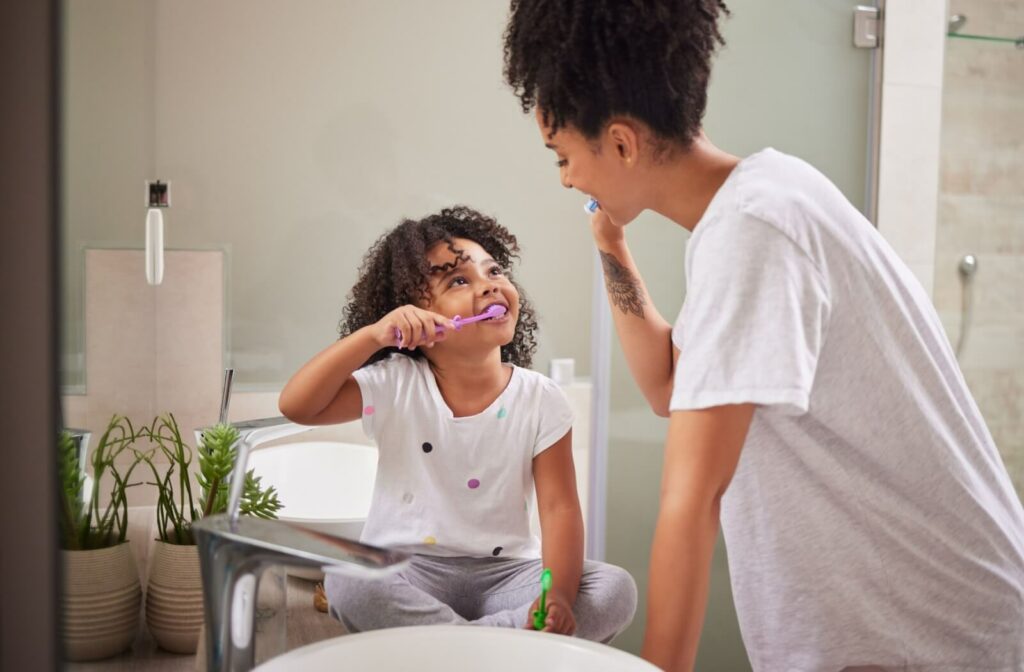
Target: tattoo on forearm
623,287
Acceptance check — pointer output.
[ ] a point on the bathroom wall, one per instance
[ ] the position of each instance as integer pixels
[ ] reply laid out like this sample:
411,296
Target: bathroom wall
293,135
981,211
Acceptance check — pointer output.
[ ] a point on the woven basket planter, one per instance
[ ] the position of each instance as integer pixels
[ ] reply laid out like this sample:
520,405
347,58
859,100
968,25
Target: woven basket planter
100,602
174,597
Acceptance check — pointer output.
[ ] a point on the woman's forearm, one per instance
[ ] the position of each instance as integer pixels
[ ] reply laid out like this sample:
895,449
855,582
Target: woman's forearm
684,544
645,336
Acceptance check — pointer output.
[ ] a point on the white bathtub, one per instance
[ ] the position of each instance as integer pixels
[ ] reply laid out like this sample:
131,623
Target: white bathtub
325,485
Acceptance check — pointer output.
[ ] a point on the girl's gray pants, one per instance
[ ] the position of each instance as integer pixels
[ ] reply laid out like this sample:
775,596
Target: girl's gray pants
478,591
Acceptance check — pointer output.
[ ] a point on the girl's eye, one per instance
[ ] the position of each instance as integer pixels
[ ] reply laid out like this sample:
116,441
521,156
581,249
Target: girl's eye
497,270
457,280
561,163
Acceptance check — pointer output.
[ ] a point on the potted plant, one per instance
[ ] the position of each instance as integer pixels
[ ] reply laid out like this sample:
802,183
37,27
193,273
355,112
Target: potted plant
101,594
174,593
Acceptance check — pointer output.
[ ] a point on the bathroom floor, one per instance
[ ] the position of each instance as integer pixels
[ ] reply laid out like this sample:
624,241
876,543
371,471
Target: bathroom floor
305,626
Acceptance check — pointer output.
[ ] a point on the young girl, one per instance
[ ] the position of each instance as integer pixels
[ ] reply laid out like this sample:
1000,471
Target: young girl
465,431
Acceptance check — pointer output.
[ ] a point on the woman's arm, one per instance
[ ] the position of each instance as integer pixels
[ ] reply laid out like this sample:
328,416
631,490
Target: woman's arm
323,391
561,524
645,335
701,454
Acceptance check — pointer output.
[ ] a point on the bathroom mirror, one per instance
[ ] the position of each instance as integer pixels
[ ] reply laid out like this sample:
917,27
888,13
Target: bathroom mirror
293,134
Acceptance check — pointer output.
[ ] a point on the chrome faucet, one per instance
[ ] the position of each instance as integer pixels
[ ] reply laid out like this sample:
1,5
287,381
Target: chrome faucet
234,551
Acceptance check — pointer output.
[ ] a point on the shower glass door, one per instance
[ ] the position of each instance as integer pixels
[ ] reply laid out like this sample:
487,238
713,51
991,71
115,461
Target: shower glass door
790,78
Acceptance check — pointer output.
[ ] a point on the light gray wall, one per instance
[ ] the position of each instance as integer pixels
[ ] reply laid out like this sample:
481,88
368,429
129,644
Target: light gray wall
107,146
295,134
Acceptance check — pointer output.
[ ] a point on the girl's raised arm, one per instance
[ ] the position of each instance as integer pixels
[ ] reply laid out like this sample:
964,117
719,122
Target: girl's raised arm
323,391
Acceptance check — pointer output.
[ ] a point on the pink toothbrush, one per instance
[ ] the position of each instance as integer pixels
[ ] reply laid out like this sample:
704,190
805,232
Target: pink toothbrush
492,311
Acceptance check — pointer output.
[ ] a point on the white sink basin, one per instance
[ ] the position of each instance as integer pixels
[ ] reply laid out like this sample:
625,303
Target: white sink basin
443,648
324,485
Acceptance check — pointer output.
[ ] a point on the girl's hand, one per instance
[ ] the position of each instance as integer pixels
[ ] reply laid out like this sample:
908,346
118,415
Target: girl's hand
605,231
560,619
410,327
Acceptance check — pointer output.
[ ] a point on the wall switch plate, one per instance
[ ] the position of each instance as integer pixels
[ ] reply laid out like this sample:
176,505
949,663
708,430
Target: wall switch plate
158,194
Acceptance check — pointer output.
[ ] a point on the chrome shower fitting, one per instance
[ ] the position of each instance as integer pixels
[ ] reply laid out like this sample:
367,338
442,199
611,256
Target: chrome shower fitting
956,22
967,268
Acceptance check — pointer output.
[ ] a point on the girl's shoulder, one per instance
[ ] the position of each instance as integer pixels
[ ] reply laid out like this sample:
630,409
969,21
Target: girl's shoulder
534,383
395,368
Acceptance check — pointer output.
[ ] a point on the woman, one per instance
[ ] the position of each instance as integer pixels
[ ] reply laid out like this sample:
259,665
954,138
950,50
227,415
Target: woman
817,410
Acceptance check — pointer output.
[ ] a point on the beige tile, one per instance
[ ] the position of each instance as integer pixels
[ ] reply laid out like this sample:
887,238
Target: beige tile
190,337
990,17
994,347
120,331
253,405
980,224
75,411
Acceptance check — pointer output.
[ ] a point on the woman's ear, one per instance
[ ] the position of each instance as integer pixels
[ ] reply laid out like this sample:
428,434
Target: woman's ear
625,141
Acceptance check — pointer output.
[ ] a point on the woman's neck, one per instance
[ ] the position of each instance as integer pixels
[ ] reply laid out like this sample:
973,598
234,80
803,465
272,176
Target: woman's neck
470,384
683,186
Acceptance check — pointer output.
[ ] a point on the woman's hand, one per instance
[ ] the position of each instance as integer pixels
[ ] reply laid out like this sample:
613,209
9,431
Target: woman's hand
605,231
559,620
410,327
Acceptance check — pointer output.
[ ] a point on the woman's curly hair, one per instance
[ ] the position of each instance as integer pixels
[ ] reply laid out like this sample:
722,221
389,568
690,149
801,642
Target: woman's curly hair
583,61
395,272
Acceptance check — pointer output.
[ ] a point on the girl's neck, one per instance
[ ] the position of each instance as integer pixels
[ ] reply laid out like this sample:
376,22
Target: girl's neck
470,384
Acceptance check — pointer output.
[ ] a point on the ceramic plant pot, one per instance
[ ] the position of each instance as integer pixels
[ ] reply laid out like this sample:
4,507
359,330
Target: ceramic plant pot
100,602
174,597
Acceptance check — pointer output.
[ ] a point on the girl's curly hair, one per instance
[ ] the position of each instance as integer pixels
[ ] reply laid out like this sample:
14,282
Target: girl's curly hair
583,61
395,272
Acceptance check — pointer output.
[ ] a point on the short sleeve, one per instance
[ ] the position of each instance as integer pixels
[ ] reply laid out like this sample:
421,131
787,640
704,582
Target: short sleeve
378,385
753,322
555,416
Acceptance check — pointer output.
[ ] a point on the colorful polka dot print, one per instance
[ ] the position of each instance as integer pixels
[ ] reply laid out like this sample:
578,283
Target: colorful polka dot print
473,484
427,447
429,541
497,551
502,413
368,410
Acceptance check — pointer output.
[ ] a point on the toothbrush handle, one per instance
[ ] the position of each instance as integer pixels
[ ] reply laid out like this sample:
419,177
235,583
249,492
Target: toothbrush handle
438,329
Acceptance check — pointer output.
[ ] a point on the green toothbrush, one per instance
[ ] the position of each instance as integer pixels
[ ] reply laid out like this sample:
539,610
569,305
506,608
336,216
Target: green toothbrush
541,615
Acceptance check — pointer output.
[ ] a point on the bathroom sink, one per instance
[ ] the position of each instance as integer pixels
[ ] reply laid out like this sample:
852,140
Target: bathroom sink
323,485
443,648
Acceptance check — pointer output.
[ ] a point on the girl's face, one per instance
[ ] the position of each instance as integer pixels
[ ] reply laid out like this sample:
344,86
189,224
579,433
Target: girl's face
597,168
467,287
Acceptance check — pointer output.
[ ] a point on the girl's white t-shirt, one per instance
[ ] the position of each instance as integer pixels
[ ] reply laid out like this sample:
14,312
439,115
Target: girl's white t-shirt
451,486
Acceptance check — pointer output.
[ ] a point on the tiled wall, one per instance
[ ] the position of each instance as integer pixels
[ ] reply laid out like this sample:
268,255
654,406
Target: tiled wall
150,349
981,211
